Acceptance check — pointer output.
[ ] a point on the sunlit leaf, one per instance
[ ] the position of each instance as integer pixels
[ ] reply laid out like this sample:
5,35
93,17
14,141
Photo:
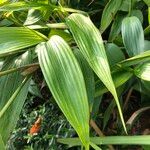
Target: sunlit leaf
109,12
143,57
65,80
18,39
114,140
93,50
16,6
133,35
143,71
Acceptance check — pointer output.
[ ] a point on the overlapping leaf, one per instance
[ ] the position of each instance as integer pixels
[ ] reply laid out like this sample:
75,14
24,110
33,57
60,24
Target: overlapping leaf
16,6
109,12
90,43
14,39
133,35
143,71
12,96
143,57
65,80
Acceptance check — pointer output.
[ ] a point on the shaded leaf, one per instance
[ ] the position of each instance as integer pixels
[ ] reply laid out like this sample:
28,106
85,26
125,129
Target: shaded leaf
88,76
114,54
119,78
116,27
65,80
9,85
147,2
133,35
109,12
93,50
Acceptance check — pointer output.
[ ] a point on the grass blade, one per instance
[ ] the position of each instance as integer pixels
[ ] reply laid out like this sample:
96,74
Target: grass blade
113,140
65,80
93,50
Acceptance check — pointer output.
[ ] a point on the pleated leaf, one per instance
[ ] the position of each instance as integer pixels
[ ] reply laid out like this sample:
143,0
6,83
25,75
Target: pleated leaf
13,94
133,35
14,39
88,76
16,6
90,43
109,12
65,81
143,71
143,57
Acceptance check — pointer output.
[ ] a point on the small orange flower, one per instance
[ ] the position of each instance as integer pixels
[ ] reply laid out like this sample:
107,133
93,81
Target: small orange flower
36,126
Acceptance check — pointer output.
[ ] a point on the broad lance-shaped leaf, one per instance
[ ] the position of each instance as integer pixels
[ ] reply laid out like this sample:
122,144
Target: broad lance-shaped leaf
14,39
65,80
9,85
143,57
16,6
143,71
109,12
88,76
90,42
133,35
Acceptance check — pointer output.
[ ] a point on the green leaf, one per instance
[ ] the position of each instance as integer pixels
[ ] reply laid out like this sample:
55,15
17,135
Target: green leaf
114,54
143,57
114,140
2,143
138,14
93,50
116,27
88,76
18,39
143,71
133,35
13,94
149,15
65,80
16,6
125,5
34,16
119,78
147,2
109,12
64,34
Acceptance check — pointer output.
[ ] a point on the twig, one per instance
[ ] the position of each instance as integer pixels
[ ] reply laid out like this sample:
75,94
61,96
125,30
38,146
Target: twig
98,131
